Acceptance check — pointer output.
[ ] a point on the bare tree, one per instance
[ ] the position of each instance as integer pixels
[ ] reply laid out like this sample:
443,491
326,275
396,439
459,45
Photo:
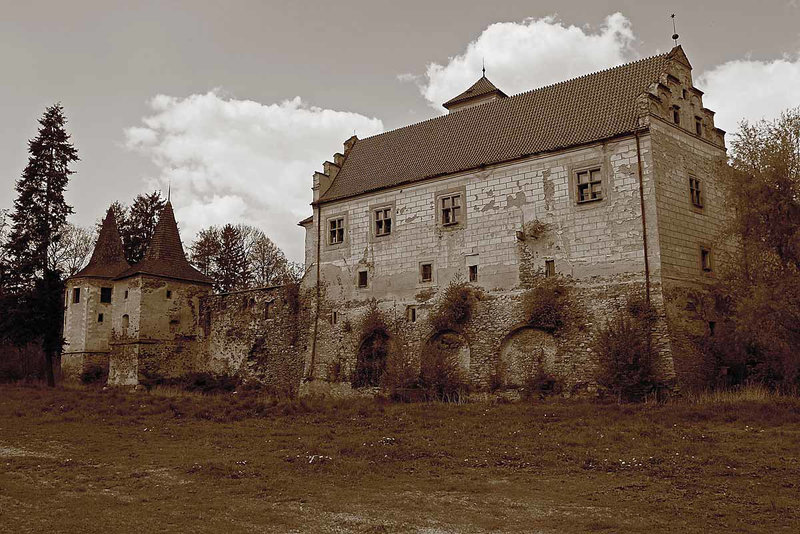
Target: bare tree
70,253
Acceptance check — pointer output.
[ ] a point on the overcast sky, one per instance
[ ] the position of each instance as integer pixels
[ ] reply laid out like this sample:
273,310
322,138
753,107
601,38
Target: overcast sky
237,103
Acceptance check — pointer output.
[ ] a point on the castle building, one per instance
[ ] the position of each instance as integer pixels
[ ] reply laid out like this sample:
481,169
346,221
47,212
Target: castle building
607,179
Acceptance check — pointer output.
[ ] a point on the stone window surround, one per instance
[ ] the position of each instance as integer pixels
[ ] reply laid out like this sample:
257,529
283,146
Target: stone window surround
458,190
605,177
698,208
346,221
391,205
706,251
432,281
359,272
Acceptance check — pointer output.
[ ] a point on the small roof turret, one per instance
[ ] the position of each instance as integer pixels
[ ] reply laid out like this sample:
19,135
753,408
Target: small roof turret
165,257
481,91
108,257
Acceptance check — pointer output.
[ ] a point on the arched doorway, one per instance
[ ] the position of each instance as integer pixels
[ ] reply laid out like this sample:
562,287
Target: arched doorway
371,361
523,352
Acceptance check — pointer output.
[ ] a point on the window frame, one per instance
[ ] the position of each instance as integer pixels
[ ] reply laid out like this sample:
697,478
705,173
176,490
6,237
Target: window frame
76,295
106,291
421,271
698,126
336,231
380,218
461,215
676,115
472,271
411,314
345,230
696,192
589,171
549,267
365,274
706,260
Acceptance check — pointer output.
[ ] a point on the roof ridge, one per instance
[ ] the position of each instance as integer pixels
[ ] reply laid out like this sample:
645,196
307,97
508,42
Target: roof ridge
510,97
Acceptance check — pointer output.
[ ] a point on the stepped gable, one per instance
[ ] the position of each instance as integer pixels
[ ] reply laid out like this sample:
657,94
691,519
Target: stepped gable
108,257
165,256
590,108
483,87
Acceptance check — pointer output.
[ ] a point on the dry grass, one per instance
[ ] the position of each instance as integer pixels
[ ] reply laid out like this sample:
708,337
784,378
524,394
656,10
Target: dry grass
108,461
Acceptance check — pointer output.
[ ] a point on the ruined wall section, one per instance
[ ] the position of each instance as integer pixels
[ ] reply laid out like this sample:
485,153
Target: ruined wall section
260,335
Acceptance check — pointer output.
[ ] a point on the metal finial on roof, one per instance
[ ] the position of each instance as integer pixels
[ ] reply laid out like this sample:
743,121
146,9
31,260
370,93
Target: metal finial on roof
169,189
483,61
674,31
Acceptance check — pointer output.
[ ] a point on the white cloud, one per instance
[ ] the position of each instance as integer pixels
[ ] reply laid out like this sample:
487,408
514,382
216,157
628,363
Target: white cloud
749,89
524,55
242,161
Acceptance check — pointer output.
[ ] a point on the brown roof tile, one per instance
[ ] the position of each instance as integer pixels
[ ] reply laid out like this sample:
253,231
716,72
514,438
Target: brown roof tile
480,88
574,112
108,257
164,256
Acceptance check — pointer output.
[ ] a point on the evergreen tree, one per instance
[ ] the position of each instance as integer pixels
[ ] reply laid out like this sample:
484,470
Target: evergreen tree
231,271
205,249
137,224
32,307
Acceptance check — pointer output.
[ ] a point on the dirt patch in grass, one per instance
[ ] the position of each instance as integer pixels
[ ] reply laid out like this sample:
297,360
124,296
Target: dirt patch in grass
124,462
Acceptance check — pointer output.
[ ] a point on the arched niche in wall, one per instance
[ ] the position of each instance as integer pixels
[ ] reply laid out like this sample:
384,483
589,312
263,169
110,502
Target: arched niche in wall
453,345
523,351
371,359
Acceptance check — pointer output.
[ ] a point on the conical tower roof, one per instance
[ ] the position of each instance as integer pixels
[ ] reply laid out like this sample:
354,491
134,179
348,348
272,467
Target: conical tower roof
482,88
108,257
165,257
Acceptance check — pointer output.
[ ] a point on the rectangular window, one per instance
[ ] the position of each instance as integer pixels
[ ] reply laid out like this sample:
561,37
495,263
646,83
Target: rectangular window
473,273
383,221
676,115
698,126
451,209
549,267
696,192
334,317
100,318
426,272
105,294
411,314
76,295
126,294
362,279
169,294
336,231
590,185
268,310
705,259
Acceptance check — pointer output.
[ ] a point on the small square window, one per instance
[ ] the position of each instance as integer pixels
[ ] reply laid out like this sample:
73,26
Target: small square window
105,294
450,206
549,267
76,295
473,273
426,272
169,293
100,318
590,185
383,221
676,115
705,259
336,231
696,192
698,126
362,279
411,314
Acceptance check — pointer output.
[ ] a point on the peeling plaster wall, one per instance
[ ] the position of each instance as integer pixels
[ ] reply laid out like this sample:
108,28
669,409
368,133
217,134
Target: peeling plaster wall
86,339
599,244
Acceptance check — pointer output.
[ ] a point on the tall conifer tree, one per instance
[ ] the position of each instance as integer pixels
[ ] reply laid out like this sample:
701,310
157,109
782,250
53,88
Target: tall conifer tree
33,304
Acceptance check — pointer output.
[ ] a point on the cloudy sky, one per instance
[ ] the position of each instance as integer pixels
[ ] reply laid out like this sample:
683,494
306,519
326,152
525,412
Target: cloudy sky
238,103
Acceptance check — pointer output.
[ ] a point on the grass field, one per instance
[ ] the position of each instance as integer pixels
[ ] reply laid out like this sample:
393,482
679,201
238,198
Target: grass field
106,461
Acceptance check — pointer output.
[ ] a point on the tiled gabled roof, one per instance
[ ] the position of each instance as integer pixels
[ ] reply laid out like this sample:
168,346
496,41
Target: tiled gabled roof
574,112
164,256
108,257
480,88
